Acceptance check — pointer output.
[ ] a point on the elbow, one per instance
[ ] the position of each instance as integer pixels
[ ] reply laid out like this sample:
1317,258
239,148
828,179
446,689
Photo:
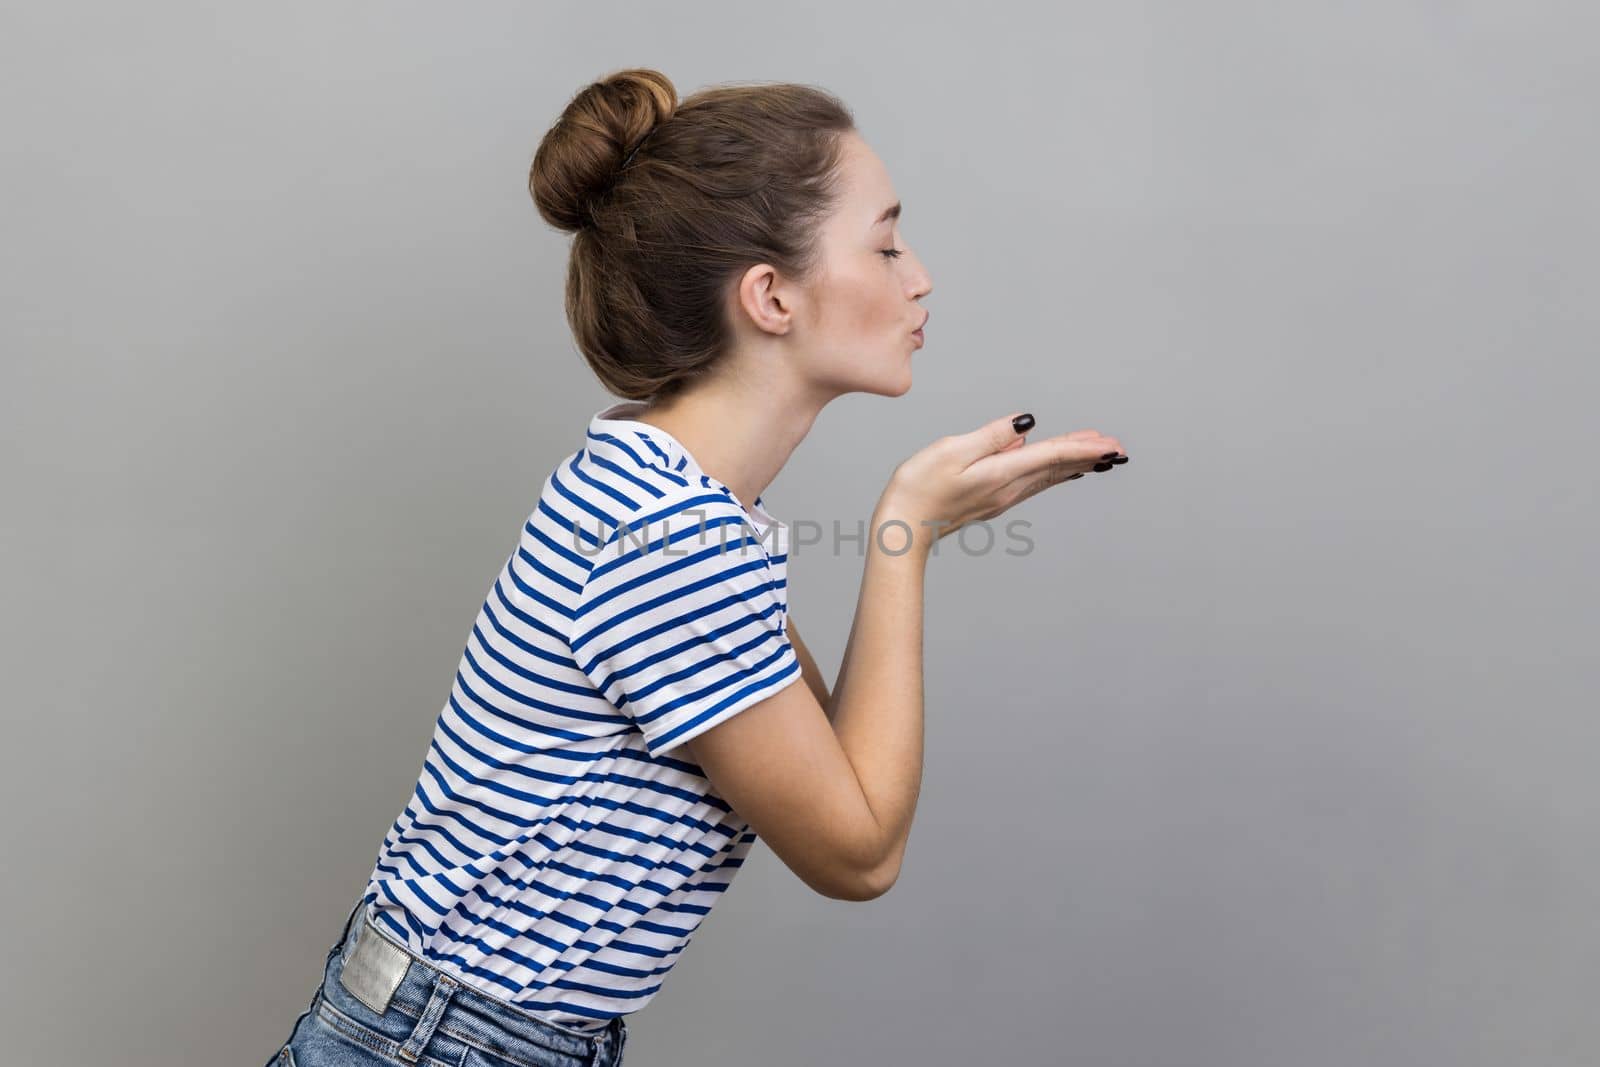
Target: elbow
879,882
862,865
863,884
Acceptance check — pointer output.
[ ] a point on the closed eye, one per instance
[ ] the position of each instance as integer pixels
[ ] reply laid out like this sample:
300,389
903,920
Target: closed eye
892,253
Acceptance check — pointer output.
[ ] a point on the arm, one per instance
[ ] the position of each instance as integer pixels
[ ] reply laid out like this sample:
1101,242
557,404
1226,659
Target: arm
883,655
808,666
835,799
833,790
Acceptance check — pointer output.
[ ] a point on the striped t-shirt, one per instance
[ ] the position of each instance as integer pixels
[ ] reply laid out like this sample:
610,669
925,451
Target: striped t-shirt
558,852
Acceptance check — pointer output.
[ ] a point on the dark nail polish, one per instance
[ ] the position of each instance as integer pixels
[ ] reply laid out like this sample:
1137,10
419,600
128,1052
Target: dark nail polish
1109,455
1120,459
1022,423
1102,466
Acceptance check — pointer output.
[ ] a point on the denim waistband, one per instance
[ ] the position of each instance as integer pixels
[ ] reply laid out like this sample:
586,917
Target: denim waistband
430,1005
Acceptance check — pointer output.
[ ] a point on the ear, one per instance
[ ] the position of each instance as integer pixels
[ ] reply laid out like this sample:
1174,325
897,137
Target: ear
763,299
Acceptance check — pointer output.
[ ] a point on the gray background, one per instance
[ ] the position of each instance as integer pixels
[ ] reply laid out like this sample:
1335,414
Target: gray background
1272,751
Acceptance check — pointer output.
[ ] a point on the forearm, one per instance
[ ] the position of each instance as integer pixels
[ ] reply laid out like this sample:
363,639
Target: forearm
877,698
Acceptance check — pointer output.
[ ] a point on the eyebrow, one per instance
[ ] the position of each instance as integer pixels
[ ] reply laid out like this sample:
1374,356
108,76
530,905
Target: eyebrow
890,212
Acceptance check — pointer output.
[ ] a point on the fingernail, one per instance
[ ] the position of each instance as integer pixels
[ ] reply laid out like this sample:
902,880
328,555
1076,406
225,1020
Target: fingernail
1109,455
1102,466
1120,459
1022,423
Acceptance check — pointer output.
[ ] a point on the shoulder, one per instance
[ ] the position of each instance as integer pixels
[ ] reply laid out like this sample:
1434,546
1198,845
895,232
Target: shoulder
688,559
693,518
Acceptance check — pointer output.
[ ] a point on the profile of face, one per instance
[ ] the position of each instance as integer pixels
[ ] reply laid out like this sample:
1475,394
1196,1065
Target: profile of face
850,327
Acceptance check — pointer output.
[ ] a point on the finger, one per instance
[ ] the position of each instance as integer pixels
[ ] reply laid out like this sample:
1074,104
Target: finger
1054,474
1033,484
987,440
1068,454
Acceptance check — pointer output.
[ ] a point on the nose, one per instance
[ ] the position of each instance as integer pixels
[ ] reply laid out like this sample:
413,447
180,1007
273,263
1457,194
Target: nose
922,284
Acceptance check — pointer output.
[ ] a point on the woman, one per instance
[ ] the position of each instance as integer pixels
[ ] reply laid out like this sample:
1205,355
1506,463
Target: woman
625,719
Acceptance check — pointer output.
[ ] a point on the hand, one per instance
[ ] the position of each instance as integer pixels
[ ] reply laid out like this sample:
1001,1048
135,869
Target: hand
979,475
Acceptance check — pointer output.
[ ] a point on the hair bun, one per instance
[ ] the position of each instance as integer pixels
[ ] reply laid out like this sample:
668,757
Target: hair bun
580,155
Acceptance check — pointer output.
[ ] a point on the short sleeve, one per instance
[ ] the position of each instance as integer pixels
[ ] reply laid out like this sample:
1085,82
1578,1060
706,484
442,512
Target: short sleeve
680,622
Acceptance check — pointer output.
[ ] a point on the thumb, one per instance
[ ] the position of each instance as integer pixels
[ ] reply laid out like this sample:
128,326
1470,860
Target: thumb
1000,435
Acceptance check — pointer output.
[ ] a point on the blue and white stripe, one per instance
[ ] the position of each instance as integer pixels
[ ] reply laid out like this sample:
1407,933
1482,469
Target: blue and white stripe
555,853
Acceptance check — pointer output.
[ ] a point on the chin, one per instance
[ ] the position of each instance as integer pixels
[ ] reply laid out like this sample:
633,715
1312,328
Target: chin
888,379
905,378
898,385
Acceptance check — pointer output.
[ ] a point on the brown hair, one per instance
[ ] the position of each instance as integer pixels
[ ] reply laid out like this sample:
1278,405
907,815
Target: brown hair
732,176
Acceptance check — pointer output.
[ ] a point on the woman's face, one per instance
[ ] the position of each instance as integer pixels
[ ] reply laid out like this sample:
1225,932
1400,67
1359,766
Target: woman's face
850,327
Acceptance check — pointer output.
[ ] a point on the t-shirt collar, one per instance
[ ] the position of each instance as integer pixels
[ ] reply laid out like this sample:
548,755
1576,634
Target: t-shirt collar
616,419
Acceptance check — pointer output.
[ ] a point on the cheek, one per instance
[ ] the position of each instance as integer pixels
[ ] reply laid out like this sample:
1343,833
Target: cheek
858,304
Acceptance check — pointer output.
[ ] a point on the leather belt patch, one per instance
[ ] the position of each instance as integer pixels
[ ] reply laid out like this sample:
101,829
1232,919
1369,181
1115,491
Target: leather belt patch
374,969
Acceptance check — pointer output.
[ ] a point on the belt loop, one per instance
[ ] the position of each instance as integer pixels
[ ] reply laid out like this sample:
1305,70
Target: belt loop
347,942
621,1034
444,988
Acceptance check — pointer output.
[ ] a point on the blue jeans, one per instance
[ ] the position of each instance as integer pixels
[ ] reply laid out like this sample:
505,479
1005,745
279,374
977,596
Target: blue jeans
428,1018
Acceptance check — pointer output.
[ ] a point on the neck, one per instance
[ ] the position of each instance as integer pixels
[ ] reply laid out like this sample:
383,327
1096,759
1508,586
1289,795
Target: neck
740,437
